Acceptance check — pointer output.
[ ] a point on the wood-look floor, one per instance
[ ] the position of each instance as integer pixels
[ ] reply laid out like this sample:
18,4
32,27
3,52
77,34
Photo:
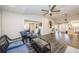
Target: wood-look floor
56,47
59,39
65,39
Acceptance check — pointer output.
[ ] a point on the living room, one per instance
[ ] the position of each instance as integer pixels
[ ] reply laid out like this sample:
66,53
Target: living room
52,18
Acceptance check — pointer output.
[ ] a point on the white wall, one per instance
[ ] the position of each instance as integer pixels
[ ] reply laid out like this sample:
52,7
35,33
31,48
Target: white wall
63,27
0,22
13,23
46,28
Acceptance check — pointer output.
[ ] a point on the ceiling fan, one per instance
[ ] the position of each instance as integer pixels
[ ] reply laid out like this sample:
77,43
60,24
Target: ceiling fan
50,10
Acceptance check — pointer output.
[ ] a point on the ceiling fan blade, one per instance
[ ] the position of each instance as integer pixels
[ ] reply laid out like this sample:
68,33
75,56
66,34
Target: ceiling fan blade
52,7
56,11
45,10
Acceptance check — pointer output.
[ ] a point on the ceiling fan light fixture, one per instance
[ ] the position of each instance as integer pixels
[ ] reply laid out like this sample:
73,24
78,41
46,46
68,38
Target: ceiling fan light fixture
50,14
50,10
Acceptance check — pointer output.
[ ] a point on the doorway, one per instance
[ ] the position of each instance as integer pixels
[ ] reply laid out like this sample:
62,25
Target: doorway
31,25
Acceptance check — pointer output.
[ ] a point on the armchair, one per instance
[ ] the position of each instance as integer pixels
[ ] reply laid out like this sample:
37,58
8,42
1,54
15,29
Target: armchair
15,46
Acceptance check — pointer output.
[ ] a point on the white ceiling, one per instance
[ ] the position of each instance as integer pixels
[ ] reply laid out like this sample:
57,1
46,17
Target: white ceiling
71,10
36,9
26,9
